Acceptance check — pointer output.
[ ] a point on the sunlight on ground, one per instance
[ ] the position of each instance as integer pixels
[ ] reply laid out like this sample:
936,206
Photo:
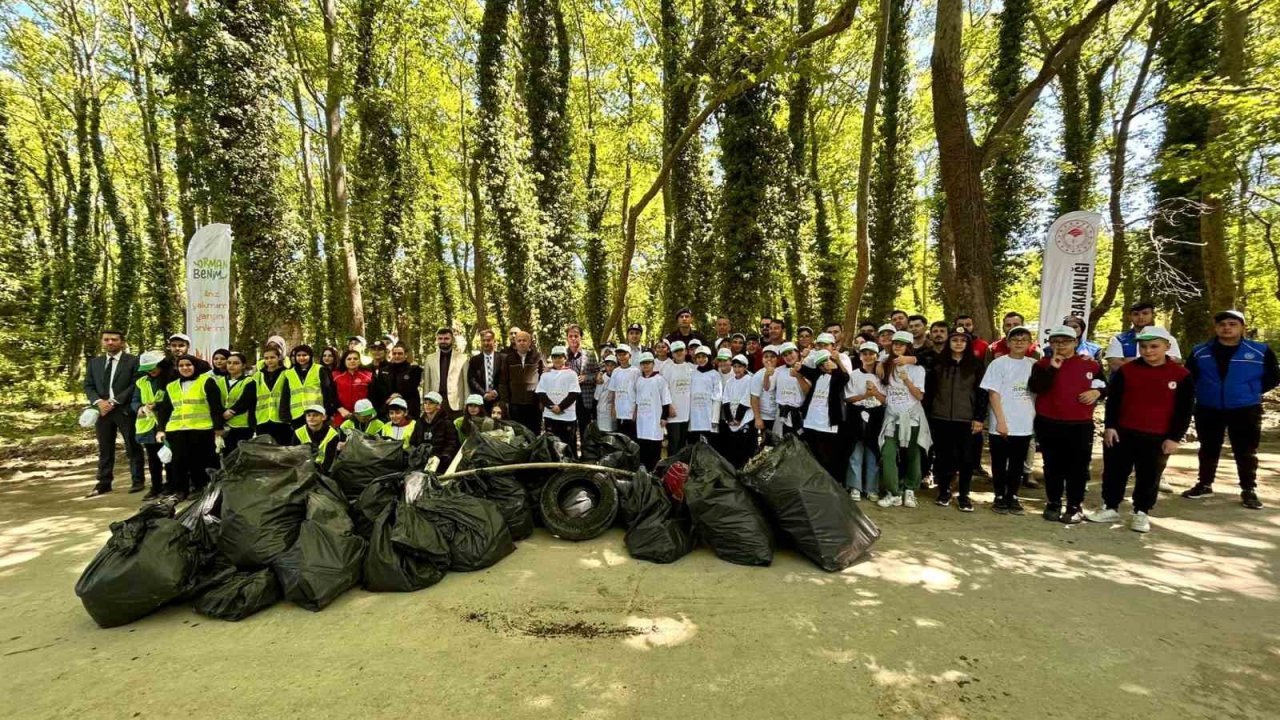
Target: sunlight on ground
26,542
659,632
934,573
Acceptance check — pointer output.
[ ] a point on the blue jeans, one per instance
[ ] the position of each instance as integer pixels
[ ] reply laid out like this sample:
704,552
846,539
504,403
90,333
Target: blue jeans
864,470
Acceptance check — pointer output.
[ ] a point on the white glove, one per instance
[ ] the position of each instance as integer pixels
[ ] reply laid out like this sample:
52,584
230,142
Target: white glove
219,443
165,454
89,417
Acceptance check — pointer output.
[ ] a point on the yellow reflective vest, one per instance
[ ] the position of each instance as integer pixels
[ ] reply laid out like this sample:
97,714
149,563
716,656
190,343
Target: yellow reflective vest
304,391
304,438
190,406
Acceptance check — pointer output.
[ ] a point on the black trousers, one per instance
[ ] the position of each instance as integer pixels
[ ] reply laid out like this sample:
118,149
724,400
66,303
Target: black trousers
677,436
1244,428
627,427
155,468
826,448
1067,448
232,437
1007,456
696,436
529,416
280,432
193,455
738,445
650,453
566,432
953,445
105,431
1138,453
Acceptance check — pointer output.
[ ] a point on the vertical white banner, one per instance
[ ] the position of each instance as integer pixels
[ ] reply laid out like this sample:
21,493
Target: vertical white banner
1070,258
209,289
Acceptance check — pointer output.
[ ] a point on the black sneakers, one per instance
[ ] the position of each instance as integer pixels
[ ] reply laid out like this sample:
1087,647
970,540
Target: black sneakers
944,499
1073,516
1198,491
1249,499
1015,507
1051,511
964,504
1000,506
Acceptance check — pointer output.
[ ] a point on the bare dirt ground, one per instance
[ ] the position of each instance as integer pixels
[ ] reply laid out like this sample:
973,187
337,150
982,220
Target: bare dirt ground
953,616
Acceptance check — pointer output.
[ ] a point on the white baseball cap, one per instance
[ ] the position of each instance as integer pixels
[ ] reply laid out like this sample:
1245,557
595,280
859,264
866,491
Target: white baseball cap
316,409
770,349
677,346
826,339
787,347
702,350
1155,332
180,336
559,350
364,407
646,357
820,357
1063,331
886,328
740,359
474,399
434,397
623,348
869,347
149,359
398,403
724,354
904,336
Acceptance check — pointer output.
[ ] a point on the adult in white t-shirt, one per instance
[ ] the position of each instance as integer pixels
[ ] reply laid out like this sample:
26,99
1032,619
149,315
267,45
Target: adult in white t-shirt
622,383
705,393
1011,418
558,390
679,374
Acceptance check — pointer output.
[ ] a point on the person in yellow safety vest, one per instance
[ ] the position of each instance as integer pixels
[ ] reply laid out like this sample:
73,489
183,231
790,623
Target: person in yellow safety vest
150,385
472,420
399,425
317,434
268,387
189,417
241,398
306,383
364,419
218,370
276,342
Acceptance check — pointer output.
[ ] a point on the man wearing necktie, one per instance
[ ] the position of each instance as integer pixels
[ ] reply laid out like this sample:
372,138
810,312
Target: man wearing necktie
486,371
109,386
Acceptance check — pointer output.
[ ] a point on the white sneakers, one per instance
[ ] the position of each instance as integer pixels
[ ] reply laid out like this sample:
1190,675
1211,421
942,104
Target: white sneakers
855,494
890,500
1140,523
873,497
1103,515
1165,487
909,498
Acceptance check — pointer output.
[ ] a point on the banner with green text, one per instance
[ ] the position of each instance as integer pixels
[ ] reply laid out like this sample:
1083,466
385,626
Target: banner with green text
209,289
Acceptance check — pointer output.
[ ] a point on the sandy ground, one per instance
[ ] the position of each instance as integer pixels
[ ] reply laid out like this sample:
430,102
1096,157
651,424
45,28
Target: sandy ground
953,616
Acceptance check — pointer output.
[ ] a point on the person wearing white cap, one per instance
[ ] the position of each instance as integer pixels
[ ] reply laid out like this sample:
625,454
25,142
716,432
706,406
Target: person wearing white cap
884,338
178,344
906,427
1231,374
653,408
724,364
363,420
189,417
604,418
704,397
738,436
438,430
824,409
150,387
1012,416
472,420
790,388
400,426
317,434
558,392
867,396
622,383
1148,411
1067,385
109,388
679,374
764,394
1123,347
241,402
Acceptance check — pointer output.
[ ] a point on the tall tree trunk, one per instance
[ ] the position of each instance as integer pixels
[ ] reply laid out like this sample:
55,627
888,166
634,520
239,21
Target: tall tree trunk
1222,173
828,270
126,284
80,296
316,276
335,147
798,101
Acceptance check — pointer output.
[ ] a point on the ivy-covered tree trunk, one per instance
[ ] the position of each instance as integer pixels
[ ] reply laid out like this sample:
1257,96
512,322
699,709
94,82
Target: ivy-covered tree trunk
892,207
796,183
19,286
1188,52
126,280
1224,168
828,298
1082,105
83,270
236,54
317,286
352,300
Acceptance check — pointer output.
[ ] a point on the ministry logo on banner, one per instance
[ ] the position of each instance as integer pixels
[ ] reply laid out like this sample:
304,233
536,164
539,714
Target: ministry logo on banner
1070,258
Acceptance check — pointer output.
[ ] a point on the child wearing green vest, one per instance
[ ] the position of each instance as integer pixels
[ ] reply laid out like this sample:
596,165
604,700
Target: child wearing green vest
472,418
319,435
400,426
151,385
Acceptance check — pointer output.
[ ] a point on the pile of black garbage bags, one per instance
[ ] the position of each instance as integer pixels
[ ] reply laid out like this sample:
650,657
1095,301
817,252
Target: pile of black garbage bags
269,527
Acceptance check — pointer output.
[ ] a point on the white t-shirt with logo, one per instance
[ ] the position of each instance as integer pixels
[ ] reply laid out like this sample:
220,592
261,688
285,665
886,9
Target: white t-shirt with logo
623,385
704,406
680,381
1008,377
737,392
818,417
898,398
768,398
651,394
557,384
788,392
858,386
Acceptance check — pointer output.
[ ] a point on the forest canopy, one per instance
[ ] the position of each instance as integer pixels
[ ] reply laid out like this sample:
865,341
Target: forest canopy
391,166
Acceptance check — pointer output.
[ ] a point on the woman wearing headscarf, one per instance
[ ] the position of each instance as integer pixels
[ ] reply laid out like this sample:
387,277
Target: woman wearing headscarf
241,401
188,418
307,383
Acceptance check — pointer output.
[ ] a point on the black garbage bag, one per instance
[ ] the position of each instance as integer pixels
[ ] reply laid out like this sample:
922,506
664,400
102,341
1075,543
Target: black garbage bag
506,444
148,563
326,559
409,564
810,506
658,530
473,528
579,504
202,519
263,502
609,449
363,459
240,595
376,497
725,515
508,494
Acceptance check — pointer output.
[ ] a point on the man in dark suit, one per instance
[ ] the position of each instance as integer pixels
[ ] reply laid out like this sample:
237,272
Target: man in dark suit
487,372
109,386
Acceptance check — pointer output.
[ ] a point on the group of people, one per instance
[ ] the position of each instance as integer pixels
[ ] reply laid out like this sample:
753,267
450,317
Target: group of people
882,410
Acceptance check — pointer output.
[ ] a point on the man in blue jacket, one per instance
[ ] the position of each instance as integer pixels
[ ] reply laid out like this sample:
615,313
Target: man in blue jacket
1231,375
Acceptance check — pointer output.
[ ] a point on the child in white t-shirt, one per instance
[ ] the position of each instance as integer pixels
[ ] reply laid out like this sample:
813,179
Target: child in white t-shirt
1011,418
906,427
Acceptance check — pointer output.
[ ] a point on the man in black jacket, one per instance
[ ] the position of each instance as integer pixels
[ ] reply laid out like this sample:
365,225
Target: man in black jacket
487,371
109,386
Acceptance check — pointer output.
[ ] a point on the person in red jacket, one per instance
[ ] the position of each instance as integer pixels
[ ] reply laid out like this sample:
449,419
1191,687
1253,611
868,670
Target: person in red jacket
1148,411
1067,385
351,384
